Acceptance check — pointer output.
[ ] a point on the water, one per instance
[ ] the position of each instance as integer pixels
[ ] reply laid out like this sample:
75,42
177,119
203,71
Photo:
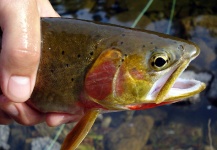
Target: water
183,125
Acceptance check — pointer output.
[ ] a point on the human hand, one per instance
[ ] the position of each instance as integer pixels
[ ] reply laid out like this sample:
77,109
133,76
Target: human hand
19,60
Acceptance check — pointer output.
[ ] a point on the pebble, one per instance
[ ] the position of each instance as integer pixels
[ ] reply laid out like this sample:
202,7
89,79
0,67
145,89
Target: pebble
212,94
43,143
4,132
130,135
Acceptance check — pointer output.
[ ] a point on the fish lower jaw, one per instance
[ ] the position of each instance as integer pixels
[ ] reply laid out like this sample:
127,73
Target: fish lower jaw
181,89
184,88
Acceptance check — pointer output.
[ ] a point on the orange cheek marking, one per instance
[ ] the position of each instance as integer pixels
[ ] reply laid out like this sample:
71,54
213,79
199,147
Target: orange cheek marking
137,74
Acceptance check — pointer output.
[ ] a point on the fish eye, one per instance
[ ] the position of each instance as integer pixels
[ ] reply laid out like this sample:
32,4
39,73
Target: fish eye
159,61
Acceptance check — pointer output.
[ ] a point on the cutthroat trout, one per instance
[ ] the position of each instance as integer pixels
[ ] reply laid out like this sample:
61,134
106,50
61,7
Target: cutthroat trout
89,68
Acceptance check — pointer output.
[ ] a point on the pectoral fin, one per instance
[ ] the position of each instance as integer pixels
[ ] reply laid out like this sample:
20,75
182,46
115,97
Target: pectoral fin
79,132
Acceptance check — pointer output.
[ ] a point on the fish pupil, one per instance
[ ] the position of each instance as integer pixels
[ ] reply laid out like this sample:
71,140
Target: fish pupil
160,62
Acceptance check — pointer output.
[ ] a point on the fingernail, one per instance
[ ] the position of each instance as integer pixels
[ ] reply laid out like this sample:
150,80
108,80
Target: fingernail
19,88
61,119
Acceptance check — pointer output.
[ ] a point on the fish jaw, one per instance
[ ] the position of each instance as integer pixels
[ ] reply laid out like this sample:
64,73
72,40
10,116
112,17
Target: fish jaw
172,88
184,88
176,88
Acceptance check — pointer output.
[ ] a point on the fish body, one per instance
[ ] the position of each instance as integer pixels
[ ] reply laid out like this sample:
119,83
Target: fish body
86,64
87,67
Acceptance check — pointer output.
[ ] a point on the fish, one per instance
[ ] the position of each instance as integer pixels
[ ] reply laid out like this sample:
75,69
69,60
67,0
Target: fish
87,68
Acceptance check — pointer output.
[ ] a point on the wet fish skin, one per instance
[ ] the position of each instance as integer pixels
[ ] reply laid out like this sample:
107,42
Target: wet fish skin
70,47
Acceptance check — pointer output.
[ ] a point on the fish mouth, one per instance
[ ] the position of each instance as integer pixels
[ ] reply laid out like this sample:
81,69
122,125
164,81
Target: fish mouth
172,88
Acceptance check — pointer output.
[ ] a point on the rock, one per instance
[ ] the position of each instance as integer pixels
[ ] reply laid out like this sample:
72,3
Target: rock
176,135
203,32
4,132
45,130
106,122
201,76
130,135
212,94
43,143
208,147
158,26
205,21
157,113
207,54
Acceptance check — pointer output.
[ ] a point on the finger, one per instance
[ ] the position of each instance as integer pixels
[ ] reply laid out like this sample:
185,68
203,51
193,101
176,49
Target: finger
21,112
20,52
55,119
4,118
46,9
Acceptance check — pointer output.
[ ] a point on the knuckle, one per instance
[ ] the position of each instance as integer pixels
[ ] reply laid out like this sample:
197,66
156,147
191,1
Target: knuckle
21,56
24,59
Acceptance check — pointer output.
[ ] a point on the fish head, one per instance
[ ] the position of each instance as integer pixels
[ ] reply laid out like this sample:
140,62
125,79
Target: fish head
140,76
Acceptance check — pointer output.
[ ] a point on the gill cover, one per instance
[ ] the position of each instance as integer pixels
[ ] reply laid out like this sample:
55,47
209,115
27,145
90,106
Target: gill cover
99,79
116,80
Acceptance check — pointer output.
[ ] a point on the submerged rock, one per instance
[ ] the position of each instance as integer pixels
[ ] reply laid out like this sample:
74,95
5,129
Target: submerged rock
43,143
130,135
212,94
176,135
4,132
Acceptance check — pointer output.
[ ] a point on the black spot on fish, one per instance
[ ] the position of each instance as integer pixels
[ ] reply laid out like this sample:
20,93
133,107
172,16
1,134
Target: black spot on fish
52,71
151,42
122,60
67,65
122,43
63,52
180,47
72,79
143,46
78,55
97,36
91,53
125,55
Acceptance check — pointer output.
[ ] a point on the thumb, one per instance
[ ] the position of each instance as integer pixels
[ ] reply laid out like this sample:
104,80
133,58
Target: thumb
20,52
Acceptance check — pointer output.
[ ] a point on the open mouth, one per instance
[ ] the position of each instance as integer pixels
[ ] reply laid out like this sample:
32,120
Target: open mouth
171,87
184,88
